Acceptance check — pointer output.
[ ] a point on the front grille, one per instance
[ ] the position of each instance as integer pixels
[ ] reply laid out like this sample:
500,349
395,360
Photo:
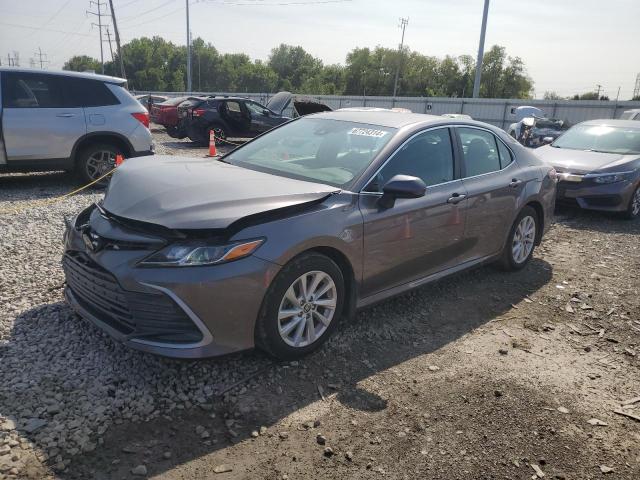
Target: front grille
146,316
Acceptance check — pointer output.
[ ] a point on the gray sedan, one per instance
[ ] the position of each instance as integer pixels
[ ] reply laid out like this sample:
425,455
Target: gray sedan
598,163
273,244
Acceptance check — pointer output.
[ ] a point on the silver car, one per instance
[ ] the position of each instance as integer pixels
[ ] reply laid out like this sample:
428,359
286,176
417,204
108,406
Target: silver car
68,121
598,163
272,244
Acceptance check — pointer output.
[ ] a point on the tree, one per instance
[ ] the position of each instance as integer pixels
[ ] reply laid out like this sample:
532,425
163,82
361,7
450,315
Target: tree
157,64
293,64
549,95
82,63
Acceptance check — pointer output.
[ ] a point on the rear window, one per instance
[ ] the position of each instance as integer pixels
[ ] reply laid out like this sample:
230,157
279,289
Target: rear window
82,92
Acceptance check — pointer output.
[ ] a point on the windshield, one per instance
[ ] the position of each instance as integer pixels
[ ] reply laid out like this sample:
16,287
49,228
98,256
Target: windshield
332,152
601,138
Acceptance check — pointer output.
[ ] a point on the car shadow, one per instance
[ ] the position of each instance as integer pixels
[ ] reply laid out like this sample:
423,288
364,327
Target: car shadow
229,396
593,220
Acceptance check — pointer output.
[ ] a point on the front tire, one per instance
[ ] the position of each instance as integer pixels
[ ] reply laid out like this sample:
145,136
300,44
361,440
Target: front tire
95,161
521,241
301,308
633,210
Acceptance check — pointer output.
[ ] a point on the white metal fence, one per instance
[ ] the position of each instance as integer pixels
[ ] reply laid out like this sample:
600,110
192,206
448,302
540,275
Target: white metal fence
494,111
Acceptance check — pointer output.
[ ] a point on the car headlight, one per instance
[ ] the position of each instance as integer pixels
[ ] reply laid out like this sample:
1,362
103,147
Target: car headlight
610,177
200,253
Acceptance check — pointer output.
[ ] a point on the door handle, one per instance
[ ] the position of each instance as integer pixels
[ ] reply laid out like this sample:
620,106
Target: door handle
65,115
456,198
515,182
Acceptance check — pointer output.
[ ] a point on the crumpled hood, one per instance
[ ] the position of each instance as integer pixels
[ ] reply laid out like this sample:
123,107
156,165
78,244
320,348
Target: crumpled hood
193,193
579,161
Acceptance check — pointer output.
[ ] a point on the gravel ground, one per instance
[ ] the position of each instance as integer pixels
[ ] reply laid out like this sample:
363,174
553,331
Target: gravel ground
483,375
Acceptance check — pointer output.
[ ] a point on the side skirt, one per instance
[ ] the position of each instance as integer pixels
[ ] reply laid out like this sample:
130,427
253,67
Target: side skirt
392,292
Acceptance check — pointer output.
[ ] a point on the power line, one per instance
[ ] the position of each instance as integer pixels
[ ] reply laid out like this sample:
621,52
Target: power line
483,31
110,46
42,58
115,30
403,25
52,17
29,27
98,14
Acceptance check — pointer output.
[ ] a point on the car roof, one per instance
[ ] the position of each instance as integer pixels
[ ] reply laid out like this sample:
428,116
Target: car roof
67,73
391,119
613,123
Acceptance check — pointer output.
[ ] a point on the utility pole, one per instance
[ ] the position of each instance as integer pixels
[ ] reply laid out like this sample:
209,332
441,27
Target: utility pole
599,88
98,14
188,50
403,25
115,31
109,40
483,30
42,58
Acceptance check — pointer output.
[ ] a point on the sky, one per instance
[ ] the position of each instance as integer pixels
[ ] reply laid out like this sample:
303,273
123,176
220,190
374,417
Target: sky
568,46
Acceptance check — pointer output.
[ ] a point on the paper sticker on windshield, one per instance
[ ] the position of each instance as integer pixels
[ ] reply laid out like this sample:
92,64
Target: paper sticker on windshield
367,132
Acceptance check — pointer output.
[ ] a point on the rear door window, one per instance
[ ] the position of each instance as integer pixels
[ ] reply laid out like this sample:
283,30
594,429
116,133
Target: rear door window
505,154
31,90
479,150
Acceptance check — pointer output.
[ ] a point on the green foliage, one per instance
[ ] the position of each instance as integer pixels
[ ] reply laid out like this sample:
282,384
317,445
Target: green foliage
157,64
590,96
549,95
82,63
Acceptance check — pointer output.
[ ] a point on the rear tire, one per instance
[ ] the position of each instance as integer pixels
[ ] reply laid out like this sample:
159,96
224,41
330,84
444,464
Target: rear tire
521,241
96,160
633,210
289,325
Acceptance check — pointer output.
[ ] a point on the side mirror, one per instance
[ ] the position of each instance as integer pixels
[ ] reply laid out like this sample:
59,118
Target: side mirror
401,186
547,140
266,113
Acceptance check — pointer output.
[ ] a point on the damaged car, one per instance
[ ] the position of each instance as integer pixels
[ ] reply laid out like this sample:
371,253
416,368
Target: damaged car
237,117
273,244
534,132
598,164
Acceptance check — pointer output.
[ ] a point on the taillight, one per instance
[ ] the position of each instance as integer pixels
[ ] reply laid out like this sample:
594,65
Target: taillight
197,112
142,117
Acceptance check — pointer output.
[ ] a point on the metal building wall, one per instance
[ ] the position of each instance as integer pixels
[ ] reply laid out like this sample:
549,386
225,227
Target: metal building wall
494,111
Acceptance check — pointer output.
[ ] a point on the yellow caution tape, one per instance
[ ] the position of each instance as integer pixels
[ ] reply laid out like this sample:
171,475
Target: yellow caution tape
49,201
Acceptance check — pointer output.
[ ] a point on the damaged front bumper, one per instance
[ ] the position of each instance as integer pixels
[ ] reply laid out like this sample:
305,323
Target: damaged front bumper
186,312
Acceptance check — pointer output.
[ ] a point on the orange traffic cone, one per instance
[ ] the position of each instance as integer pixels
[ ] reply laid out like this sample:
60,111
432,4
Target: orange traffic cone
119,160
212,144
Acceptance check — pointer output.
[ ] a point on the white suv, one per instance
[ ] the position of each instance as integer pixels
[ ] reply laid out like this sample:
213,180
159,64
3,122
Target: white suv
68,121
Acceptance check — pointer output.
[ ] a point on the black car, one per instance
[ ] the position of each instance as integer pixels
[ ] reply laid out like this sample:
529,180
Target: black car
227,117
240,117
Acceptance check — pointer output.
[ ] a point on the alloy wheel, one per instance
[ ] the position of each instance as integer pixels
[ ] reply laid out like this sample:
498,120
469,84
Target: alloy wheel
307,309
99,163
523,239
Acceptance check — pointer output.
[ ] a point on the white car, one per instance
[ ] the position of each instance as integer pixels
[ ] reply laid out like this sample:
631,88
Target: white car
68,121
633,114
